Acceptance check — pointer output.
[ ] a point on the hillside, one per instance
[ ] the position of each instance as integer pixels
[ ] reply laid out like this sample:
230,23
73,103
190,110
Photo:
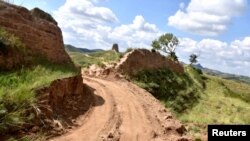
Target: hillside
57,92
224,75
18,87
196,98
70,48
222,102
32,57
86,57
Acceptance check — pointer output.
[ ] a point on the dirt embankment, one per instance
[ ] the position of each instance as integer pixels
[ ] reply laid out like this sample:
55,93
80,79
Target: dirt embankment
143,59
134,62
60,104
36,29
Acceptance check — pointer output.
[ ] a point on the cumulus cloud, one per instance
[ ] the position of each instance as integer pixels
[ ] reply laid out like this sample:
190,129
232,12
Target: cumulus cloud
138,34
233,57
207,17
86,25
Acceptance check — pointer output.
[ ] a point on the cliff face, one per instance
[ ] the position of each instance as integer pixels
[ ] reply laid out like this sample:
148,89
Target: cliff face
10,59
36,29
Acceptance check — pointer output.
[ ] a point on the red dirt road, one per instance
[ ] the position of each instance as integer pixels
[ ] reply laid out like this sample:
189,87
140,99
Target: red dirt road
122,111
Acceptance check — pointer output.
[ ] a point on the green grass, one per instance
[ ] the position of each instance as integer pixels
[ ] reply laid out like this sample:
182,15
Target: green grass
98,58
17,91
238,90
198,100
9,40
178,91
216,106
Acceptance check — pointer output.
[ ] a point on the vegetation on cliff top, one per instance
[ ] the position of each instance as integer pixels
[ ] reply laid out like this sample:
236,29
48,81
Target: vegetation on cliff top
9,40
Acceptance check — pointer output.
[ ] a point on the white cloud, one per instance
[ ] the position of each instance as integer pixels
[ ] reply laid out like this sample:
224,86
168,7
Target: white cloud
207,17
231,57
86,25
138,34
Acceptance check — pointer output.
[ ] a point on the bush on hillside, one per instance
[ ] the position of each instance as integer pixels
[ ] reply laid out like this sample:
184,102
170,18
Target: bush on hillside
179,91
8,41
12,51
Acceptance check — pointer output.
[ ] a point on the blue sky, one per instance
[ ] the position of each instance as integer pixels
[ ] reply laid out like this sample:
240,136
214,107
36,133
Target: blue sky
217,30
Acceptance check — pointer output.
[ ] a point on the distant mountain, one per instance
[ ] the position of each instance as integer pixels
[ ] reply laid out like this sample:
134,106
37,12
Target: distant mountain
71,48
229,76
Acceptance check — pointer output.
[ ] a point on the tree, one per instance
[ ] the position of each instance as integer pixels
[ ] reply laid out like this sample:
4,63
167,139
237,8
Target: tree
167,43
193,59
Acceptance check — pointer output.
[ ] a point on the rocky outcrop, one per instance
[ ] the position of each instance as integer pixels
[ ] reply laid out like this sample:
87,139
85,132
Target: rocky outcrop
37,30
142,59
115,47
61,103
43,15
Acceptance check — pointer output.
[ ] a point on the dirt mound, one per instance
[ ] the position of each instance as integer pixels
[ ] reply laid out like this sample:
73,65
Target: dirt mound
40,36
133,62
143,59
60,104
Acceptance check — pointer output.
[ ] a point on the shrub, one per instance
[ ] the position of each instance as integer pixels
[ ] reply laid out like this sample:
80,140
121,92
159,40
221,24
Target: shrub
8,40
179,91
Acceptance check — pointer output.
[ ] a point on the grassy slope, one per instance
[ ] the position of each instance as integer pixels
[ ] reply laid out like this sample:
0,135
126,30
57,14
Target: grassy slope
87,59
217,107
17,91
178,91
198,100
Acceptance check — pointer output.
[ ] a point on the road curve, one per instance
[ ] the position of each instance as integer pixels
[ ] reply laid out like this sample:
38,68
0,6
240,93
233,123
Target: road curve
124,112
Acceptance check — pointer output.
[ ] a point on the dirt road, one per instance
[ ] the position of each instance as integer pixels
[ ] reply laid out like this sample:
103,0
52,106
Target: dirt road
124,112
